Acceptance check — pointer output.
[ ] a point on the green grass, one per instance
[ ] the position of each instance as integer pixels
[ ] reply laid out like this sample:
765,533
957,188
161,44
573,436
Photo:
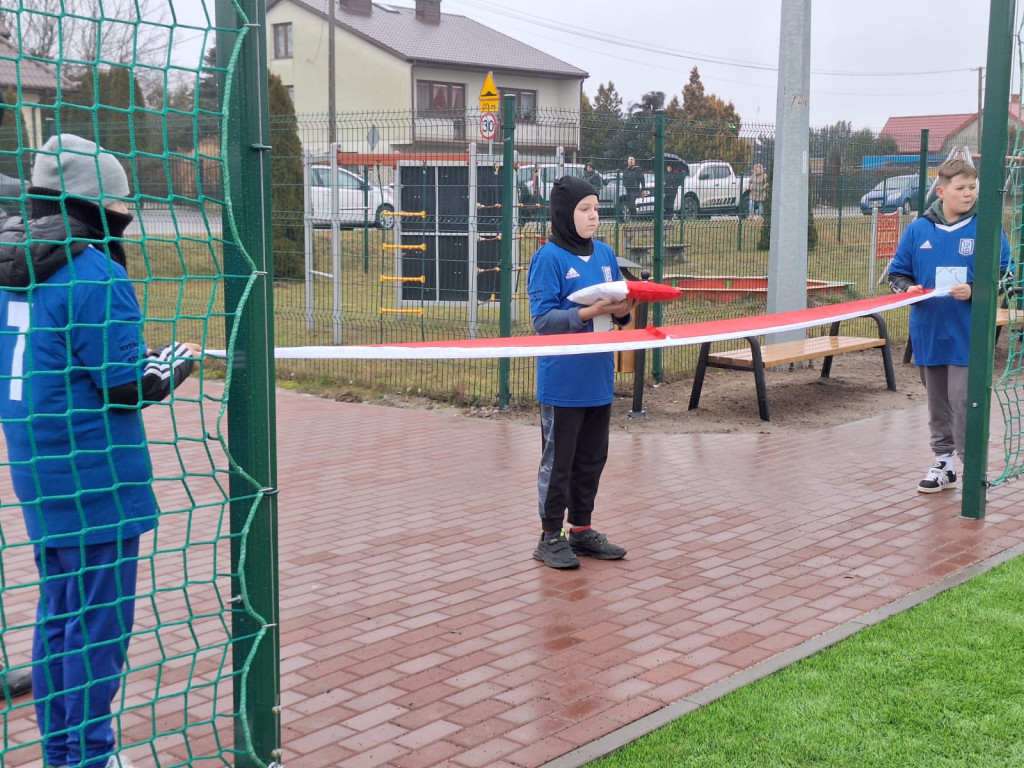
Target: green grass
937,686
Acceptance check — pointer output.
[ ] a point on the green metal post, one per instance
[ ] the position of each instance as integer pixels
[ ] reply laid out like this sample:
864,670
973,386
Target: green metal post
839,205
616,212
922,174
508,137
986,256
659,228
251,413
366,215
740,216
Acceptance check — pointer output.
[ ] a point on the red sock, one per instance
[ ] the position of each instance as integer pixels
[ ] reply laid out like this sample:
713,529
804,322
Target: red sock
579,528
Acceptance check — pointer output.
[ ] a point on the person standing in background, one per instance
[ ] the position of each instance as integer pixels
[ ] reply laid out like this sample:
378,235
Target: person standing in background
633,183
757,190
595,179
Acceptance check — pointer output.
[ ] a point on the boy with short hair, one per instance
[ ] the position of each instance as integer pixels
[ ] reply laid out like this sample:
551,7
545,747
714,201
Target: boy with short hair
936,252
575,391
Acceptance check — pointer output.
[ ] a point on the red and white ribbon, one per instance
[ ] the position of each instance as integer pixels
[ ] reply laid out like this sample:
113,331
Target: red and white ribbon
606,341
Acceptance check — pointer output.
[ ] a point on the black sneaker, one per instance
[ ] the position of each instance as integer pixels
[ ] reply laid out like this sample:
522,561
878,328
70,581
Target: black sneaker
939,478
594,544
554,552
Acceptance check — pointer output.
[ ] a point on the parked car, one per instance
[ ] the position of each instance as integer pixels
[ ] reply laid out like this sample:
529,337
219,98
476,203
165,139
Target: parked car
897,193
535,179
612,199
711,187
645,203
359,202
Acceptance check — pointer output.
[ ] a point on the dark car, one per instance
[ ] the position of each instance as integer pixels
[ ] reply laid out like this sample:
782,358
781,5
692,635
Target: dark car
897,193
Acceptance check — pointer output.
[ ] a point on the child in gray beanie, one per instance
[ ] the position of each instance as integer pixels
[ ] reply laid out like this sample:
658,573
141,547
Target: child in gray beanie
79,168
74,375
77,190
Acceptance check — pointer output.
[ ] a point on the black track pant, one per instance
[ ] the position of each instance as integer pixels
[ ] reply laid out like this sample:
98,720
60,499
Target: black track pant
574,443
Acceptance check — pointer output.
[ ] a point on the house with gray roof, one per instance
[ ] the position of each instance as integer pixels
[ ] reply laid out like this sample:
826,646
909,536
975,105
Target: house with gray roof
411,77
37,83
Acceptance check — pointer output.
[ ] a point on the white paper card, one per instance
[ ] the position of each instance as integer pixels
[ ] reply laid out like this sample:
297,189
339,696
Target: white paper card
947,277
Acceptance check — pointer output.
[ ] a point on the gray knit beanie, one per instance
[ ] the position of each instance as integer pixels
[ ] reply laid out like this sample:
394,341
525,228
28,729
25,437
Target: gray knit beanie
79,168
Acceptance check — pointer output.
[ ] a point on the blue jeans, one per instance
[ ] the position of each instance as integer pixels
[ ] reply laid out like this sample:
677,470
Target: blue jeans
83,624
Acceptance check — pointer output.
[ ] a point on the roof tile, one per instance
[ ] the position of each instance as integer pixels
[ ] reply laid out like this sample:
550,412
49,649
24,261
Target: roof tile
456,40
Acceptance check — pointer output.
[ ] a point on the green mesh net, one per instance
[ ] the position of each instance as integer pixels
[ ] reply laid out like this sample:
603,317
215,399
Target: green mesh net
142,78
1009,386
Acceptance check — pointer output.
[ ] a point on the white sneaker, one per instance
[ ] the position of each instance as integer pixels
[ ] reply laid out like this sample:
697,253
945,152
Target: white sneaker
119,761
940,477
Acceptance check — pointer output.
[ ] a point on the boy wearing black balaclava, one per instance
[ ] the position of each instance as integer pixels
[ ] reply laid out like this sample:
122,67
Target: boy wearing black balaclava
575,392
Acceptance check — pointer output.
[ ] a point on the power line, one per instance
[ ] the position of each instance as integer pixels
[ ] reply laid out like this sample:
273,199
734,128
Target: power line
546,23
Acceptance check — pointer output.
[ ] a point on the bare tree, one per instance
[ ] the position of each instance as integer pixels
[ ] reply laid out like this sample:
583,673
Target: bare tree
94,32
38,28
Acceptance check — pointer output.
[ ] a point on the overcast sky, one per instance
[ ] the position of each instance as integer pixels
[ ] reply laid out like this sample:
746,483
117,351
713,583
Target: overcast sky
870,59
856,50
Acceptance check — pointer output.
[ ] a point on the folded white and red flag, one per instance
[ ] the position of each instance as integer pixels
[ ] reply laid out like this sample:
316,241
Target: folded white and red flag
620,290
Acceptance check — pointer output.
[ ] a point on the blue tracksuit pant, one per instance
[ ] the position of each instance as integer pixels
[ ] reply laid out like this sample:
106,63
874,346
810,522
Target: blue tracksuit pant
83,624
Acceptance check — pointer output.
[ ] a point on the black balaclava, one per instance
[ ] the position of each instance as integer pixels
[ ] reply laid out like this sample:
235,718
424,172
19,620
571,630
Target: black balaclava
566,194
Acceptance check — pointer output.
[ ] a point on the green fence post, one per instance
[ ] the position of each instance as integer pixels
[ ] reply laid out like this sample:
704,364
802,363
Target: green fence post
659,228
986,256
839,205
616,212
252,440
740,216
922,174
366,216
508,137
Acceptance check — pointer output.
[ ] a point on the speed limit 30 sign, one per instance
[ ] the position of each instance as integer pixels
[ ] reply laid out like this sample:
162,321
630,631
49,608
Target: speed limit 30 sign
488,125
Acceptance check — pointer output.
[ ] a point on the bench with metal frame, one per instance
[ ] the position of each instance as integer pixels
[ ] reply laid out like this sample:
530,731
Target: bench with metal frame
759,356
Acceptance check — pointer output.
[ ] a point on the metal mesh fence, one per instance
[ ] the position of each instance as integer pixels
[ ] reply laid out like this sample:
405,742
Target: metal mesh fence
411,248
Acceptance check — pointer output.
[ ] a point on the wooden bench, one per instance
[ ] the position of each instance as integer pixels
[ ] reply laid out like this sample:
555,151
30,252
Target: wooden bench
759,356
675,252
1004,316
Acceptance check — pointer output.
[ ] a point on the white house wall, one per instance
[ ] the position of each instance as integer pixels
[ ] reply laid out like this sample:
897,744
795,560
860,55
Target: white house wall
367,79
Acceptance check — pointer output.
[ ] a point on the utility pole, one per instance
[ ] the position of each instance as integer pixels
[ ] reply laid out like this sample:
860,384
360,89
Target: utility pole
787,259
981,100
332,115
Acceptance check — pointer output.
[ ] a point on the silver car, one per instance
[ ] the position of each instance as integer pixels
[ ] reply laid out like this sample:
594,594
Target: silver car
358,202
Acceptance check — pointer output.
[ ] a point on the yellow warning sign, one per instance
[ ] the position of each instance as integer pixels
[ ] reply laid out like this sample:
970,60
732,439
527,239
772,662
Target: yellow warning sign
489,95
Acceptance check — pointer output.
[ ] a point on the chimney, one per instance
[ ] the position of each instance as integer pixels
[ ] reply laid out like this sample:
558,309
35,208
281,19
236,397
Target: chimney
357,7
429,11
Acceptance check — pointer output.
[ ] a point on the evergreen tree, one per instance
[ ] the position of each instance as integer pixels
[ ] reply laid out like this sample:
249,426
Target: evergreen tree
286,171
14,161
601,126
706,128
765,235
108,107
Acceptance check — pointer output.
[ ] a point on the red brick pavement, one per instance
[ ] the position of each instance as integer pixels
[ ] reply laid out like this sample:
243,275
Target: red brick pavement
418,631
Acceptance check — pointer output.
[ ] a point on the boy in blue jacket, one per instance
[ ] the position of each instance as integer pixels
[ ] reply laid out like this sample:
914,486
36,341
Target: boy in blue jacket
575,391
74,373
937,251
